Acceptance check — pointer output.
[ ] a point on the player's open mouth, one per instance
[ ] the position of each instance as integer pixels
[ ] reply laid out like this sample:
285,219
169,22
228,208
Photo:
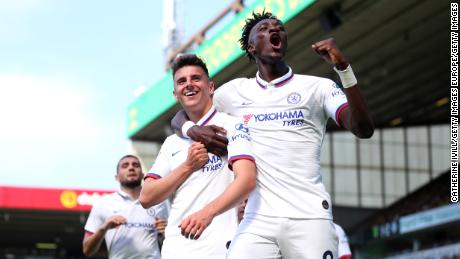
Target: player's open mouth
190,93
275,40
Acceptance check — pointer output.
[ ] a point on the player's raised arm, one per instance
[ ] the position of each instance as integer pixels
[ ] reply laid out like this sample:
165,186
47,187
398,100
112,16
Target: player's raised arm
355,117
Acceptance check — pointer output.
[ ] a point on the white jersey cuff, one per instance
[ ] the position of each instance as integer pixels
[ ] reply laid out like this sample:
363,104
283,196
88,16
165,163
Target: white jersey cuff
187,125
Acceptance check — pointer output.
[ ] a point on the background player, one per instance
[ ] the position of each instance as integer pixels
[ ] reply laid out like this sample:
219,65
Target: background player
129,230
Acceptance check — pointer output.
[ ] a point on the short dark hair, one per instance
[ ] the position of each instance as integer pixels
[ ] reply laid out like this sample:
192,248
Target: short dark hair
188,60
123,157
249,24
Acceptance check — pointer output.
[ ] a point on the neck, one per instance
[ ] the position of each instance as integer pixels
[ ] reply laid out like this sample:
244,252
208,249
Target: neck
196,115
133,192
271,71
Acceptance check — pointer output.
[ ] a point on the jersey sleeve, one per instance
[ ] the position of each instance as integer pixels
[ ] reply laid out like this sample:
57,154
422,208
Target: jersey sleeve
222,97
161,167
344,251
239,141
95,218
162,210
334,100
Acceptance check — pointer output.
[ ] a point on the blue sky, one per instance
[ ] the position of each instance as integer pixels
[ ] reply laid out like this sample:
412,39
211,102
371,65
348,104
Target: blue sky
68,70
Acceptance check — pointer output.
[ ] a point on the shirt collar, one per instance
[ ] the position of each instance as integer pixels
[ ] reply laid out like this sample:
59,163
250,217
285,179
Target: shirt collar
278,82
124,195
207,117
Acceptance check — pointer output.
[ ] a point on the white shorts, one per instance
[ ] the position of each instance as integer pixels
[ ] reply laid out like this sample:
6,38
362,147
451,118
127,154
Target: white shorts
263,237
182,248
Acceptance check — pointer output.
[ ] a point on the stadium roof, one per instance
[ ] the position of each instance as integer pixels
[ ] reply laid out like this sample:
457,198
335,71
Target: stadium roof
398,49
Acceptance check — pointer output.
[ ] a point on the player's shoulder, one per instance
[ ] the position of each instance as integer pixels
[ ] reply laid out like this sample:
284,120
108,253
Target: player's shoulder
234,125
233,84
172,140
109,196
309,79
228,119
239,81
104,200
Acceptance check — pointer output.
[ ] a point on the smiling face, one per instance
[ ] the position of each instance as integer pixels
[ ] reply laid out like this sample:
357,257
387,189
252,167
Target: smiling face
268,41
193,90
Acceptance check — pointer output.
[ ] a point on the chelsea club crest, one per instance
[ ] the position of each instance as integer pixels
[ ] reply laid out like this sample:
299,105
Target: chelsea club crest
294,98
151,211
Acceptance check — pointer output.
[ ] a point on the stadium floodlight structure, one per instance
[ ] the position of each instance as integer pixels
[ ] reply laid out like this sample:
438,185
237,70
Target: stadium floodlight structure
171,29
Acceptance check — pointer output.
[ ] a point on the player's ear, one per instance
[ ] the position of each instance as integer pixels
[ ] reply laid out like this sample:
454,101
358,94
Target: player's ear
175,96
251,48
174,88
175,93
211,87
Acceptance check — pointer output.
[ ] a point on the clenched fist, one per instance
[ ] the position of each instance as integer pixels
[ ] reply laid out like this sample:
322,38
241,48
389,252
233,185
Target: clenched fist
329,51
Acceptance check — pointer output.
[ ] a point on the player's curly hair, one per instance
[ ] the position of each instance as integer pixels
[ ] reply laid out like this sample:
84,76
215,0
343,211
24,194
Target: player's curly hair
249,24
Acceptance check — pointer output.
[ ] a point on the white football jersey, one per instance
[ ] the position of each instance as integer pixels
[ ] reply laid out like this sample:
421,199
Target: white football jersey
287,120
135,239
200,188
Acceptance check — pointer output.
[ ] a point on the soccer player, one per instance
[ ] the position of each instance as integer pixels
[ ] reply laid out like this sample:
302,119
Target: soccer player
289,213
129,230
200,185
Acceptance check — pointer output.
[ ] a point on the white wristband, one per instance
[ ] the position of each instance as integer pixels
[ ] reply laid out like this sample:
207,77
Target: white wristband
347,77
187,125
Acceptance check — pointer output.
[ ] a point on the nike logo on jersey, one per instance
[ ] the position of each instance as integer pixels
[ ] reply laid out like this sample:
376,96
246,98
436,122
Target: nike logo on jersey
175,153
246,103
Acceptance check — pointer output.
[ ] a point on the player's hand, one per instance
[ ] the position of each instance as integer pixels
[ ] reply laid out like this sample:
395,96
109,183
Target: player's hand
193,226
329,51
113,222
197,156
160,225
212,136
